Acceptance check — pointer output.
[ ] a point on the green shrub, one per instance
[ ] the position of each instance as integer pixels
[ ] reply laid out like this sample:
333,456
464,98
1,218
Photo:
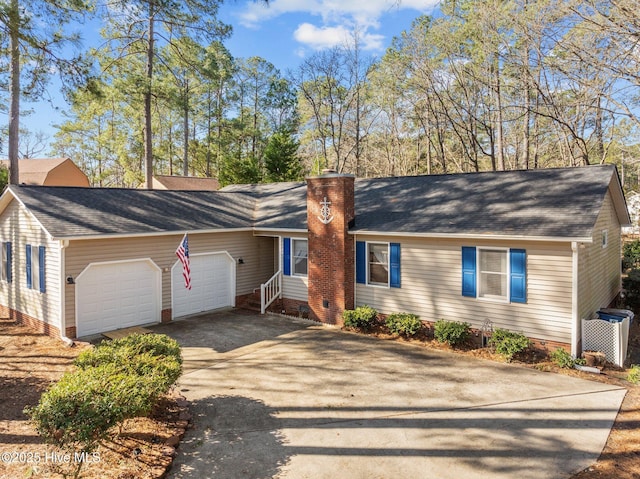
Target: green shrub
155,358
508,343
634,374
115,381
631,254
79,410
122,351
362,317
406,324
631,286
453,333
563,359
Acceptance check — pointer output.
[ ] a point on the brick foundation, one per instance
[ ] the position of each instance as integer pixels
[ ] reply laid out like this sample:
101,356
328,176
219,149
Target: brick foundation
331,261
165,315
291,307
32,323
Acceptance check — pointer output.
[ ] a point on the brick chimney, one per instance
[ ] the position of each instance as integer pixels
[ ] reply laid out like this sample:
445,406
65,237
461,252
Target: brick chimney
331,275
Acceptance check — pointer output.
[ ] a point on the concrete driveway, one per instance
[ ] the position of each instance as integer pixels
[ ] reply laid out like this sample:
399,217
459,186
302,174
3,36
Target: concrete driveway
274,397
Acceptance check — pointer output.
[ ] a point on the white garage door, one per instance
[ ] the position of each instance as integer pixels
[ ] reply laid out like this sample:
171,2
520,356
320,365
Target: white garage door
117,295
213,284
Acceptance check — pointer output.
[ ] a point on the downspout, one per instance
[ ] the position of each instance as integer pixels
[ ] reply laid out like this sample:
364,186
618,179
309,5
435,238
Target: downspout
63,285
575,313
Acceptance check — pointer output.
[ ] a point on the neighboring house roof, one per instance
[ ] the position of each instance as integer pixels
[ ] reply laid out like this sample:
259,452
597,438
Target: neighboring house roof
49,172
546,204
161,182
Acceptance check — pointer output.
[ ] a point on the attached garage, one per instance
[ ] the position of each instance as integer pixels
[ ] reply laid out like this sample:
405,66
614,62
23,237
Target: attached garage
213,284
117,295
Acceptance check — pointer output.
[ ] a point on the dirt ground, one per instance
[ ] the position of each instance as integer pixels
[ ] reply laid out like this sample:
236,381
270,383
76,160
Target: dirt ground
30,362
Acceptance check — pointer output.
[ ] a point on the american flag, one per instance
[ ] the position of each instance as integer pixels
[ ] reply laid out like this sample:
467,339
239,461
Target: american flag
183,255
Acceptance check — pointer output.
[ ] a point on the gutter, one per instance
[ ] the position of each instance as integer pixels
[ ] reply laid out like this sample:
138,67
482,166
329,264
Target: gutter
144,235
554,239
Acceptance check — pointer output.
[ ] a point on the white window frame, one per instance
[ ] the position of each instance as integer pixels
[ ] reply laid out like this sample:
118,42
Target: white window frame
293,257
479,273
369,282
605,238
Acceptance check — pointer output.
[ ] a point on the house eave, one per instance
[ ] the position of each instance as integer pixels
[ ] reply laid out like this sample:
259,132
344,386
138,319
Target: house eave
5,199
506,237
279,230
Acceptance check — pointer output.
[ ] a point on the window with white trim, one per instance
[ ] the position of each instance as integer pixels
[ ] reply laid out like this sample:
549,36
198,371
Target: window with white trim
35,267
299,257
5,264
378,254
493,268
379,264
499,274
605,238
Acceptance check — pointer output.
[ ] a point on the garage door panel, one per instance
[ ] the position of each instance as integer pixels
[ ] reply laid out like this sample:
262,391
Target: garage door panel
212,284
117,295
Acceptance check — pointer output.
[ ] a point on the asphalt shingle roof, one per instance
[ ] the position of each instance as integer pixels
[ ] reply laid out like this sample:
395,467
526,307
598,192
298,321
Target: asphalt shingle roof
546,203
559,203
72,212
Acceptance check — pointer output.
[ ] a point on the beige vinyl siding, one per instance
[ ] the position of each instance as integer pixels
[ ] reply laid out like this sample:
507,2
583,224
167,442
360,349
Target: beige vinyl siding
599,269
256,253
19,227
295,287
431,286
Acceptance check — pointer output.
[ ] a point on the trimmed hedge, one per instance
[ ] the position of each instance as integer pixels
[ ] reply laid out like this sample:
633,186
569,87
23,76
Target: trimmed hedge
509,343
454,333
362,317
84,405
406,324
115,381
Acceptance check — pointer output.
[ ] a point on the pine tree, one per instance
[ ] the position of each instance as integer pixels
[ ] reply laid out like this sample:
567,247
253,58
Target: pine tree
281,158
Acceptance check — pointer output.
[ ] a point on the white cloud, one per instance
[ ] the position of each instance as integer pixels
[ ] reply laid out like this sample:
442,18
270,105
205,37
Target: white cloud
319,38
339,18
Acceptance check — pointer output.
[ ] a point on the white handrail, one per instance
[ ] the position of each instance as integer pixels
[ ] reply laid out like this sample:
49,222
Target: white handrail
270,291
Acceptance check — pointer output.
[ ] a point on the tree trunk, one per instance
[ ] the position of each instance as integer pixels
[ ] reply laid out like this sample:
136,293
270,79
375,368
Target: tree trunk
499,129
14,111
209,130
148,144
185,150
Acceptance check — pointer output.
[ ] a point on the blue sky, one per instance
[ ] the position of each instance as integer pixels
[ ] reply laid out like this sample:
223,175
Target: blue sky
284,33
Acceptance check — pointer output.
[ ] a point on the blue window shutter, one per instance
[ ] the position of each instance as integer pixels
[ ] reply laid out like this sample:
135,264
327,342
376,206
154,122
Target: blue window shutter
9,262
286,256
361,262
518,278
28,251
394,265
41,255
469,271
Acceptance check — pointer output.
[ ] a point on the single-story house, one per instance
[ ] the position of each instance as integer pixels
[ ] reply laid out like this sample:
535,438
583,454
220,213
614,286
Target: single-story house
532,251
169,182
49,172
